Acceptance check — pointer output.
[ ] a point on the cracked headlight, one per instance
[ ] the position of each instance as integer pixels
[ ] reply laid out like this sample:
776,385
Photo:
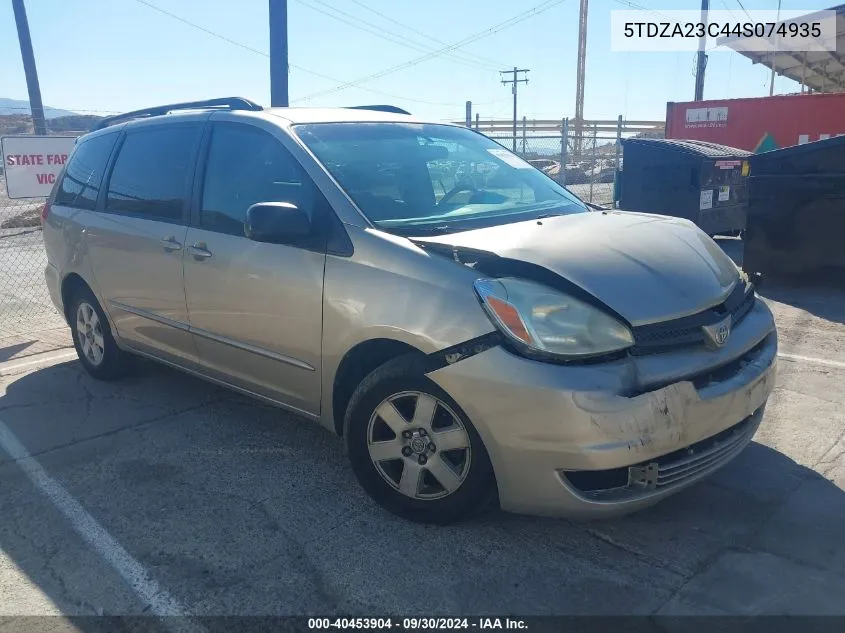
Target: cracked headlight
550,322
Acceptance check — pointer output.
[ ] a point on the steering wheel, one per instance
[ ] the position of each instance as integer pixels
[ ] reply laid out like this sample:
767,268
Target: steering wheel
465,186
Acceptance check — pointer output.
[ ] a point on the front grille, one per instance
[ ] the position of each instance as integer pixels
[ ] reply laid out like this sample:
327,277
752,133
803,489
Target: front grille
708,377
728,370
667,471
686,331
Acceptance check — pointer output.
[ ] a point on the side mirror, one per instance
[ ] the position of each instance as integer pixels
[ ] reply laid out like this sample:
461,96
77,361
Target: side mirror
276,222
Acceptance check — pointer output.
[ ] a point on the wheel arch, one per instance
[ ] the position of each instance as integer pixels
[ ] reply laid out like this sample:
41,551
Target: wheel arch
71,284
356,364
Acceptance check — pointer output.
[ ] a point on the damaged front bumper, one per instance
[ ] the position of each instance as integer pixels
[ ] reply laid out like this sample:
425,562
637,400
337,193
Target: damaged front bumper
602,439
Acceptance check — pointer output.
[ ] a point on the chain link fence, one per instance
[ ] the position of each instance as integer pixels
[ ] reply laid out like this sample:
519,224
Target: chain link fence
25,305
586,165
26,311
585,157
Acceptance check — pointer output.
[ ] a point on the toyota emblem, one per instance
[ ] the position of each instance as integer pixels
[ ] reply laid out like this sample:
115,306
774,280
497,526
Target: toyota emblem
717,335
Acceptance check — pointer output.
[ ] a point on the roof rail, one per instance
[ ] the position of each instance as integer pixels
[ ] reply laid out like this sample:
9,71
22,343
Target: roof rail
231,103
380,108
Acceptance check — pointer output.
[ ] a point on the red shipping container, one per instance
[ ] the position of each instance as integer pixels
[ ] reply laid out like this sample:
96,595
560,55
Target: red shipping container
761,123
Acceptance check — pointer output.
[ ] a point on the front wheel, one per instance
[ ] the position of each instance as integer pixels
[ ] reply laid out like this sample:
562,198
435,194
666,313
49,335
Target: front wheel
413,449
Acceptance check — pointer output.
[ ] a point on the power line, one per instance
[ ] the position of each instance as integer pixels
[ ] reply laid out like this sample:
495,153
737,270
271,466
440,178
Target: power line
520,17
202,28
380,92
733,15
390,36
294,66
425,35
639,7
739,2
395,96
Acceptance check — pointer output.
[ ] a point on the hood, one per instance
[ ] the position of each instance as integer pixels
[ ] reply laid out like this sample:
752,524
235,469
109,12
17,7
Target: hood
648,268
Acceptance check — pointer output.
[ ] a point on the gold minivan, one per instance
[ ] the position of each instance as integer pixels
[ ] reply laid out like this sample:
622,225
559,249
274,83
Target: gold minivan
477,334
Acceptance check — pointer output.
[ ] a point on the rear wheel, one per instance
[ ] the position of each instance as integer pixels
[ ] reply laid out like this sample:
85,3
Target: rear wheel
413,449
92,338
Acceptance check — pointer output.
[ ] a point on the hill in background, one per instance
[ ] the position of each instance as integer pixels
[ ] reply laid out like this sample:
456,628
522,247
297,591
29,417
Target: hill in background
12,124
18,106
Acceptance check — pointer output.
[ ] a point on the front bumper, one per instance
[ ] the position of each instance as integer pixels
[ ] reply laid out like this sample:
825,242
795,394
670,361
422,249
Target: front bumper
541,422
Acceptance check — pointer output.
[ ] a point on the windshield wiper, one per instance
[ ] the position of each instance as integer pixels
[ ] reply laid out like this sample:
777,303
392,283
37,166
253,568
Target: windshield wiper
420,231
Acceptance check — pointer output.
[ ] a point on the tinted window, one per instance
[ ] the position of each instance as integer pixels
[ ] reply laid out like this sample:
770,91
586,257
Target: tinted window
81,183
150,175
415,179
248,165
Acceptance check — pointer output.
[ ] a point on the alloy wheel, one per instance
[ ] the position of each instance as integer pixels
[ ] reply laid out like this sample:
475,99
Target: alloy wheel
89,332
419,445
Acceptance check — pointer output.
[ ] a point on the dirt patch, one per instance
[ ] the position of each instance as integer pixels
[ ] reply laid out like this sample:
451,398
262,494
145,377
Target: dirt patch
29,218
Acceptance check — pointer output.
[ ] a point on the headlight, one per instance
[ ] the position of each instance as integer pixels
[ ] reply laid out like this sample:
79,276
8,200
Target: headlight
548,321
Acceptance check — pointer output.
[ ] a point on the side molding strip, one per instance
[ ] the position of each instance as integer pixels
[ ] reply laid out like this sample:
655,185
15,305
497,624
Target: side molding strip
225,340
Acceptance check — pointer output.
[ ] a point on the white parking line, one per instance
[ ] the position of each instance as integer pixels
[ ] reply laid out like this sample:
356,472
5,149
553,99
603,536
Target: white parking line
158,601
47,358
811,359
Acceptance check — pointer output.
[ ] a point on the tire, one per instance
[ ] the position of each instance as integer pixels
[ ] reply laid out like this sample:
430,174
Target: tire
95,346
396,388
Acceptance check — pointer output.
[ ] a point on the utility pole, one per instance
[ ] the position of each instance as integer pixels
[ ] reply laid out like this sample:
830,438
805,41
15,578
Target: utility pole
579,78
701,59
515,80
772,80
28,57
279,53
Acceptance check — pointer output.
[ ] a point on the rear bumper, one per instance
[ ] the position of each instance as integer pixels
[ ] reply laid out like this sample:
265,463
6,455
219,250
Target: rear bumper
540,421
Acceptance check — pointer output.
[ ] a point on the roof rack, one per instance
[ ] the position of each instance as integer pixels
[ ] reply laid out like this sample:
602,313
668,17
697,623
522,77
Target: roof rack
380,108
230,103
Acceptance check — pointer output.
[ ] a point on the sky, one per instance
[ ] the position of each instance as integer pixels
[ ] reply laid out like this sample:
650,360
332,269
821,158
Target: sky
103,56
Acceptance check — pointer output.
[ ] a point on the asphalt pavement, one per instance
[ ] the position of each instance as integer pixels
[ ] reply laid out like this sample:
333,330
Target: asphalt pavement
164,494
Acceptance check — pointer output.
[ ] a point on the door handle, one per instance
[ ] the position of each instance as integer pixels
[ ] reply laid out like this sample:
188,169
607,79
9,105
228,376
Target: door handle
199,251
170,244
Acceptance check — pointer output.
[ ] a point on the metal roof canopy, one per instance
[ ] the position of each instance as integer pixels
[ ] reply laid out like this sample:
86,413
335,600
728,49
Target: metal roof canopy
819,71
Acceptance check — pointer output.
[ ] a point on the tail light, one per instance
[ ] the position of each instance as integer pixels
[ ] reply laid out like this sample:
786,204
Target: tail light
45,211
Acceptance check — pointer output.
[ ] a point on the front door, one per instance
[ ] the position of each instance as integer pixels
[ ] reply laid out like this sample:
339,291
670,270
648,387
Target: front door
255,308
136,239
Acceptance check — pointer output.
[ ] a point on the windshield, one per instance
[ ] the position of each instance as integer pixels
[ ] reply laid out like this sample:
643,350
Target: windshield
418,179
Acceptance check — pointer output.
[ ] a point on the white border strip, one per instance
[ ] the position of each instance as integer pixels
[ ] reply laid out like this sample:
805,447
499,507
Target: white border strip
47,358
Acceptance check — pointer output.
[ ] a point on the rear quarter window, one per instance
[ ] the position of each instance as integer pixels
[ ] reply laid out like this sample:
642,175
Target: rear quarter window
150,177
80,184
